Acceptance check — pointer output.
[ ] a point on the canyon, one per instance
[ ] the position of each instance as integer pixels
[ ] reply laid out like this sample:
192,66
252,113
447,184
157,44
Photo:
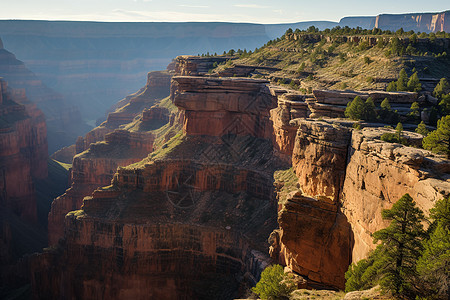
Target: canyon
63,120
23,161
219,176
110,60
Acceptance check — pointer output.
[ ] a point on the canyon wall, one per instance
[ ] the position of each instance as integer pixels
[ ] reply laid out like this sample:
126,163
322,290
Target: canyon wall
344,178
202,202
23,152
314,237
156,88
378,174
23,159
63,119
110,59
423,22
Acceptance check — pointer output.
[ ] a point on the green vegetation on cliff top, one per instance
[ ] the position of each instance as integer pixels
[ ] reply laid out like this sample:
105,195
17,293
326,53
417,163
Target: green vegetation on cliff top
315,60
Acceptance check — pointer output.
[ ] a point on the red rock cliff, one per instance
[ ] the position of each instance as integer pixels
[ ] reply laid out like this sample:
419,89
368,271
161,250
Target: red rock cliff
94,168
181,224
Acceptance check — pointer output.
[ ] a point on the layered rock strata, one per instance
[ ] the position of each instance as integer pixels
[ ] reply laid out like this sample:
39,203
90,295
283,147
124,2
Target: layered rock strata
345,179
94,168
188,65
63,120
425,22
314,239
157,88
228,105
378,174
23,159
290,107
23,153
182,224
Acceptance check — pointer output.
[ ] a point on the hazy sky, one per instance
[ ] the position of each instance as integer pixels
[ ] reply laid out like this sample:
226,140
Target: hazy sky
256,11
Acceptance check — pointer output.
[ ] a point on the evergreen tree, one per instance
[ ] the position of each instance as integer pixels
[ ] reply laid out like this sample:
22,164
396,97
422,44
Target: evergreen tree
399,131
400,247
444,105
434,265
414,84
438,140
355,109
392,87
274,284
385,105
402,82
422,129
442,88
369,112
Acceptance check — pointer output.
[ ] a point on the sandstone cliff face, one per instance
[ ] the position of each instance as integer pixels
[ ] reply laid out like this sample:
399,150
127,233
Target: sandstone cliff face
424,22
202,202
314,239
345,179
378,174
94,168
229,106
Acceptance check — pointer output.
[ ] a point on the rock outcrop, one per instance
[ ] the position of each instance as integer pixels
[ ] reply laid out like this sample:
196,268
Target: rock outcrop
227,105
95,167
189,65
157,88
378,174
184,223
314,239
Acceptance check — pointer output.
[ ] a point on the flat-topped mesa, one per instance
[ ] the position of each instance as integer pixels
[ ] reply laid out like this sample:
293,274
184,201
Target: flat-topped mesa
94,168
189,65
425,22
379,173
220,106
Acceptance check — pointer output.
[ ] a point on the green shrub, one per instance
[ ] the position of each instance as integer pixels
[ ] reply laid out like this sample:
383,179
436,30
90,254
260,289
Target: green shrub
274,284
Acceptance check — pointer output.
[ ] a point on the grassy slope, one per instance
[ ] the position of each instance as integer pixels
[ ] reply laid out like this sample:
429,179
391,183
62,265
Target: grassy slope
343,63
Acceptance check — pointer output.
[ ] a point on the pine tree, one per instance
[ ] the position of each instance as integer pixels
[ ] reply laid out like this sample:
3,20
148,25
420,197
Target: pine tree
402,82
414,84
392,87
399,131
434,265
422,129
369,112
355,109
438,140
444,105
442,88
385,104
400,247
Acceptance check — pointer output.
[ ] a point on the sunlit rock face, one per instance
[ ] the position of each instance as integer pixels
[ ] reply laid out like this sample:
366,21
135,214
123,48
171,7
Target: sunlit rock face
190,221
380,173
